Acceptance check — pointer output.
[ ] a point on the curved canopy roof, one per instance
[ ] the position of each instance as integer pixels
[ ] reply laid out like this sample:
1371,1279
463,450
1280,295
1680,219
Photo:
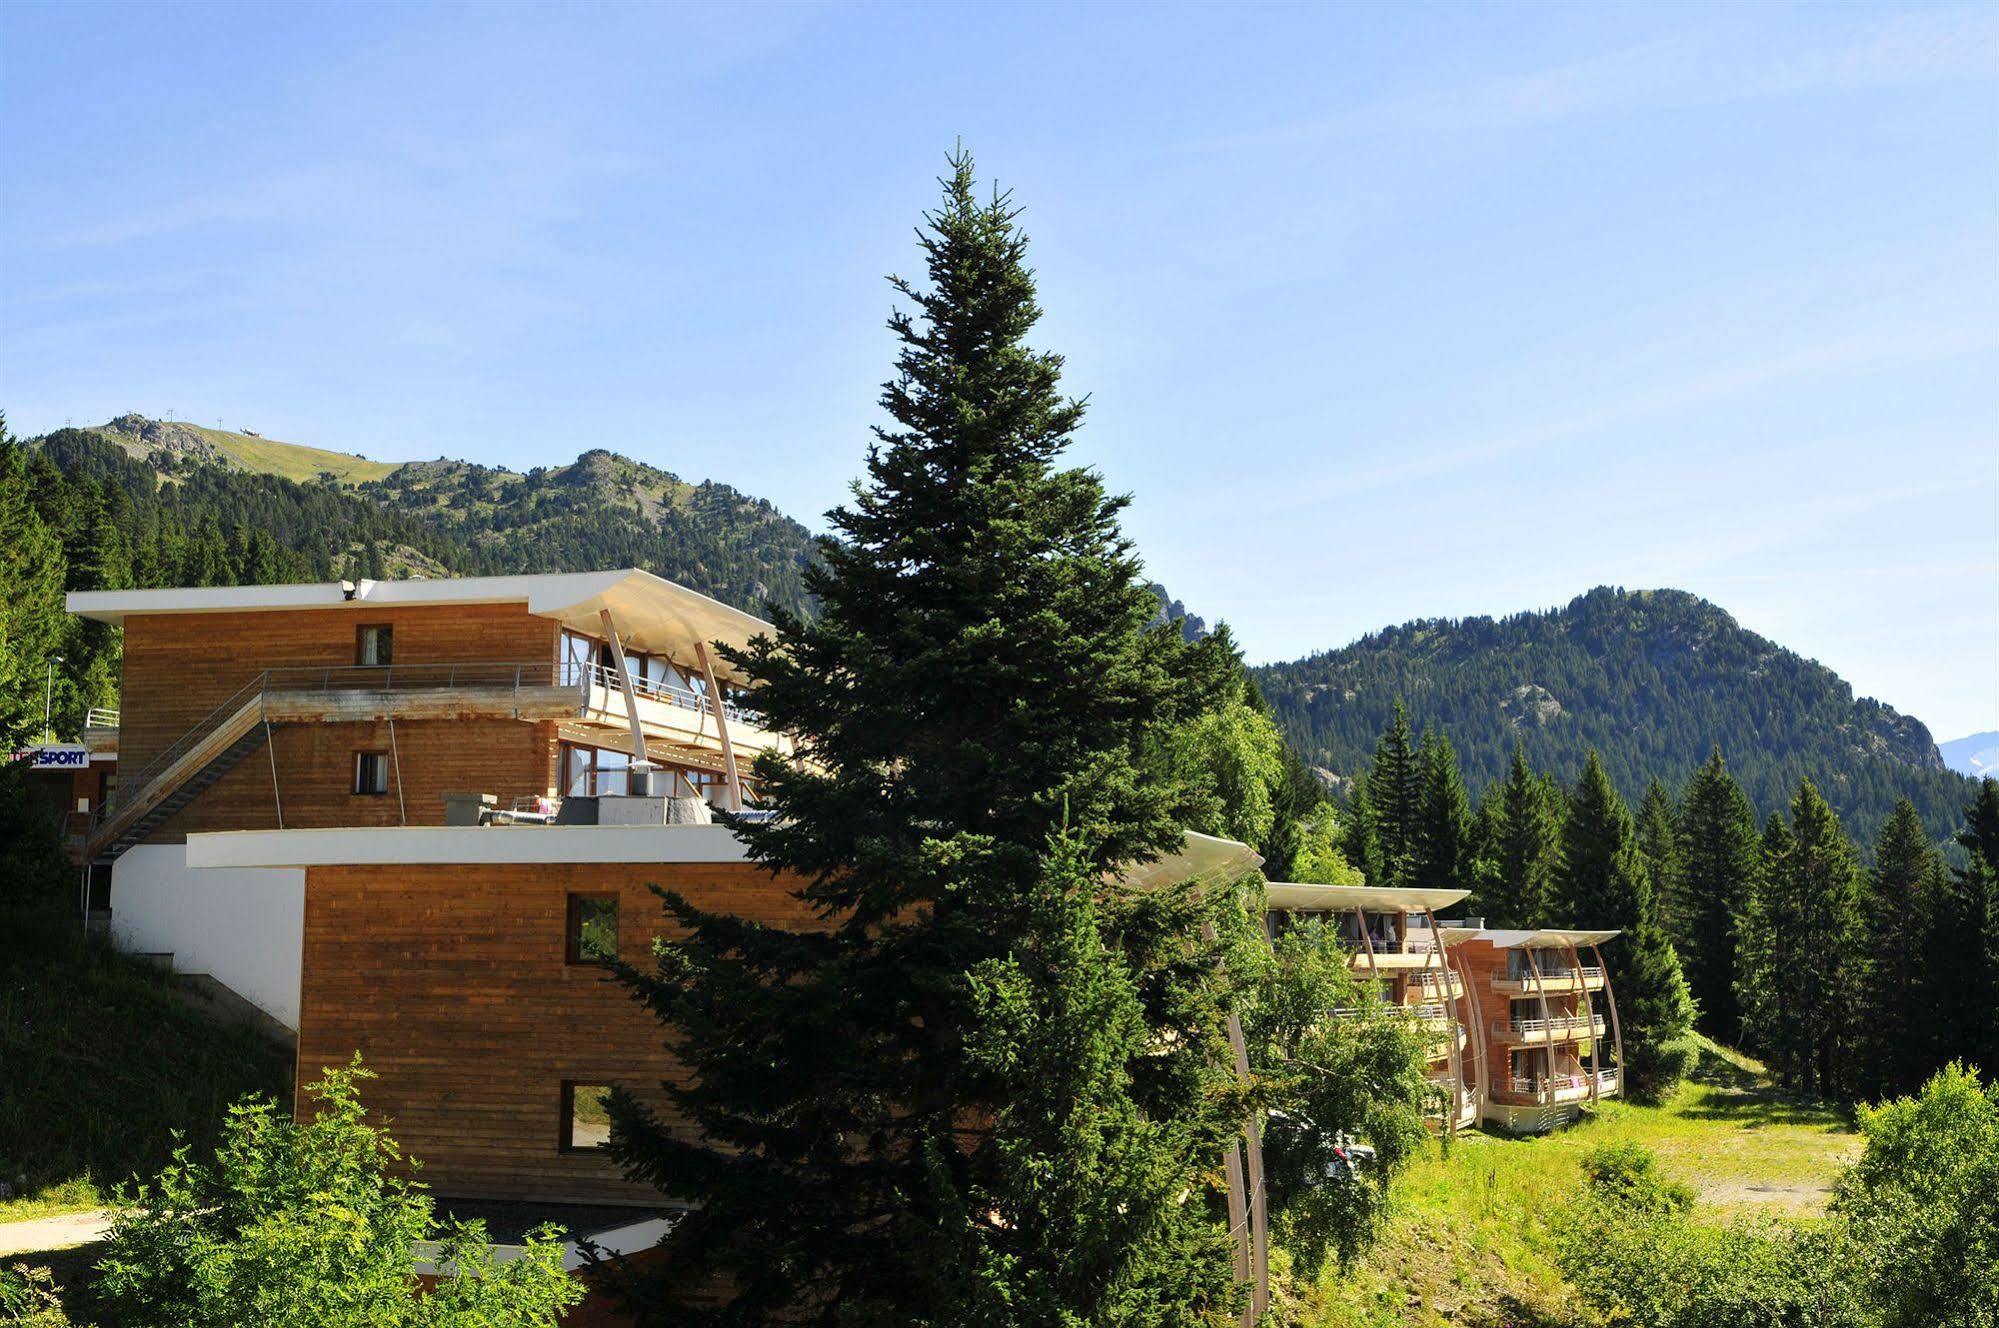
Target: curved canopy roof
1201,857
1341,898
1546,938
652,613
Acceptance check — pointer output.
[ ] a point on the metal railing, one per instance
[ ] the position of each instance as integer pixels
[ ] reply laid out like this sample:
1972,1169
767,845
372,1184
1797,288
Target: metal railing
100,717
131,785
1406,1013
654,689
1523,976
1561,1083
292,679
1560,1023
383,678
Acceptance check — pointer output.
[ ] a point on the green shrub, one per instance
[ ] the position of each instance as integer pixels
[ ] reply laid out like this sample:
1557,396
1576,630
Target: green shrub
300,1222
1635,1252
1923,1204
28,1299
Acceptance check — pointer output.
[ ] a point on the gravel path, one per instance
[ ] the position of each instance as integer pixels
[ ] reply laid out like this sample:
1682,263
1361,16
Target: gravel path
39,1234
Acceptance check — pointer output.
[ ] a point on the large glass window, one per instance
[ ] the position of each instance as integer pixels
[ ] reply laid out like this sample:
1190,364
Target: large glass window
589,772
578,653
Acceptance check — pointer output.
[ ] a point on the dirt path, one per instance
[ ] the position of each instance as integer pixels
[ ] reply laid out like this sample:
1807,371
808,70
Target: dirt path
40,1234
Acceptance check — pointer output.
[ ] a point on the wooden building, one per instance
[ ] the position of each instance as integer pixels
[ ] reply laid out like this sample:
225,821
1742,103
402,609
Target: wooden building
1399,949
1523,1031
1544,1023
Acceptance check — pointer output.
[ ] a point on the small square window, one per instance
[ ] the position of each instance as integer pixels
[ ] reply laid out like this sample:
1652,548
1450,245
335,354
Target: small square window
371,773
374,644
586,1117
593,929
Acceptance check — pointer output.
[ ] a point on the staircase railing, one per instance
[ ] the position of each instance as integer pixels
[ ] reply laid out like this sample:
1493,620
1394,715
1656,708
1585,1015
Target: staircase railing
131,786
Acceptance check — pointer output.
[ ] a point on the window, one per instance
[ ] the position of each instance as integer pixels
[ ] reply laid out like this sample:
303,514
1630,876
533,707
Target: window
586,1117
593,929
371,773
589,772
374,644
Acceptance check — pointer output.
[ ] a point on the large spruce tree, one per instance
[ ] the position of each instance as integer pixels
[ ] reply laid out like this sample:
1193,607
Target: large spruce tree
1388,804
31,562
1798,974
1442,849
1964,953
1601,882
987,1087
1895,1039
1519,842
1717,863
1659,843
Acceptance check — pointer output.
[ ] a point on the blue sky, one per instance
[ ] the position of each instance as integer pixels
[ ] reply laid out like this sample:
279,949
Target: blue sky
1384,311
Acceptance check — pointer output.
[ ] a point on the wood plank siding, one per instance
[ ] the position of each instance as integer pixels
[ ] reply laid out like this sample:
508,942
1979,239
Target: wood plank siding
452,982
179,667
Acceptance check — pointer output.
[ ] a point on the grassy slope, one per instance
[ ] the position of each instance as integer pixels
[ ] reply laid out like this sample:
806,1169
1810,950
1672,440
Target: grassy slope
294,461
100,1062
1469,1241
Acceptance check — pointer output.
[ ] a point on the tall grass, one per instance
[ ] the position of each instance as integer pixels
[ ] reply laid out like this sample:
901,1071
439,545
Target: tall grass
100,1063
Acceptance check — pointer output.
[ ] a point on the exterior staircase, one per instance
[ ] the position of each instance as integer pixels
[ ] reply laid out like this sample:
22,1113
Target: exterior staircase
179,775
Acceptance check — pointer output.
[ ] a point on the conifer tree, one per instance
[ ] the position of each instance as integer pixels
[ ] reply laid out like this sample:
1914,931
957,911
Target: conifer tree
1895,1041
31,565
1599,878
1658,842
1442,851
1964,953
940,1097
1718,862
1799,949
1518,847
1601,882
1392,804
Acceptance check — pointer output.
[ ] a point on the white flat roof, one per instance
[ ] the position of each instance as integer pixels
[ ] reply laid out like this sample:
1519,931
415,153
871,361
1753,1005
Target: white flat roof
454,845
652,613
1200,857
1342,898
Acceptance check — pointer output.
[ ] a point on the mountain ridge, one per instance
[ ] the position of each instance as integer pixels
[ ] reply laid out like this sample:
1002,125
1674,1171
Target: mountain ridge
1653,679
452,517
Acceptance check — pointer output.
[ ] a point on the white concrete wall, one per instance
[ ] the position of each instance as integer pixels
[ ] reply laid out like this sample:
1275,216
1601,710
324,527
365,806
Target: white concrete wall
241,926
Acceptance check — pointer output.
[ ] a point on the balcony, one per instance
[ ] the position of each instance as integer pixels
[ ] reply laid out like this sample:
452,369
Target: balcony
685,726
1562,1088
1429,1015
1410,952
1555,981
582,694
1559,1028
670,712
1435,984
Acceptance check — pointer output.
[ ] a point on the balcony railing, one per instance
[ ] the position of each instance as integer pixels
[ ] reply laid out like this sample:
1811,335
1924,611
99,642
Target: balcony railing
1419,1013
1561,1023
100,717
655,690
1408,945
1588,973
1561,1083
295,680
